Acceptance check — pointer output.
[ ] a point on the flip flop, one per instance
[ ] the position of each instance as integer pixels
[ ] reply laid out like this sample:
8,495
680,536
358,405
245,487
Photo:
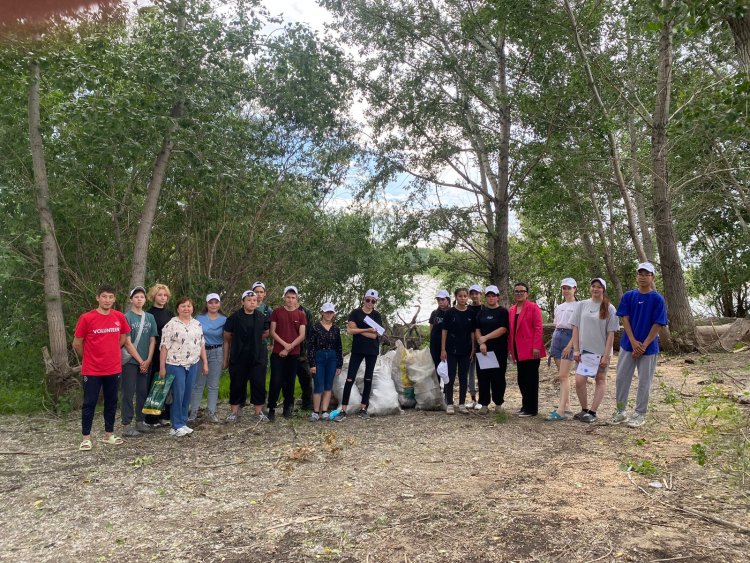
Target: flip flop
85,446
112,440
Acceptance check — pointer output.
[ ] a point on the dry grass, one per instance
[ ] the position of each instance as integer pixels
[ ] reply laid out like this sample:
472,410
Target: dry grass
417,487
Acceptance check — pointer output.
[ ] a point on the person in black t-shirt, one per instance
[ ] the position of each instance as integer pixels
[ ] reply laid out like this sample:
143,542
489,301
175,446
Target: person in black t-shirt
365,346
245,356
159,294
436,325
457,348
491,335
475,304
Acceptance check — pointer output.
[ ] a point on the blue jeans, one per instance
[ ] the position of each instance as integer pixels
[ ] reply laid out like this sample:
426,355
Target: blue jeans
182,386
325,370
215,364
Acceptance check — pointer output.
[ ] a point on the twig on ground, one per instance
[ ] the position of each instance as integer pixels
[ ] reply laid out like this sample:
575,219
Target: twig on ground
673,558
600,558
293,523
692,512
19,453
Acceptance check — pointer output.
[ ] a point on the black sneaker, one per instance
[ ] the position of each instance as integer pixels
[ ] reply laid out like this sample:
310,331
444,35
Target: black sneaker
288,412
579,415
271,415
588,418
524,414
363,414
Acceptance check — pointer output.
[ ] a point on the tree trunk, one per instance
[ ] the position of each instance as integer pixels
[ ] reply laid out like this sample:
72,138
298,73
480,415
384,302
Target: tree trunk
682,324
740,27
614,149
158,173
640,201
603,245
59,375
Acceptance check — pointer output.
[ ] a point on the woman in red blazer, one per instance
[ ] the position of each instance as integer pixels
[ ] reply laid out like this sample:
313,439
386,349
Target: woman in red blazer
526,347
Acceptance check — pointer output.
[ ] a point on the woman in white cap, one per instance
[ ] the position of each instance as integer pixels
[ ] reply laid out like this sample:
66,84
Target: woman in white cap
594,327
212,321
437,317
325,356
365,347
491,334
561,349
245,356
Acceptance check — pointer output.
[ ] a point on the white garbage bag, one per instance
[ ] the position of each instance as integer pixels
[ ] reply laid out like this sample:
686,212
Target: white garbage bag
421,371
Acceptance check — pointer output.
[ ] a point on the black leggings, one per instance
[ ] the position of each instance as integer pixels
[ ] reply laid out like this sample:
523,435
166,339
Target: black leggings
239,376
92,384
355,360
462,363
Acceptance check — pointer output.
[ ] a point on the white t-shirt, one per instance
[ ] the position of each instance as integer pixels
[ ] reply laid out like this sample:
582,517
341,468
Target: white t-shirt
564,313
592,331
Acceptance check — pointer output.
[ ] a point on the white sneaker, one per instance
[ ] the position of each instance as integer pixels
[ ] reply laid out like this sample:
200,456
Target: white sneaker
188,430
470,404
462,409
180,432
637,420
450,410
477,406
173,432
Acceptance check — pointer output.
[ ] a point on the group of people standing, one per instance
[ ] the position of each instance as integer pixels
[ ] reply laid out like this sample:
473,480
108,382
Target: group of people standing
471,337
461,332
583,337
135,346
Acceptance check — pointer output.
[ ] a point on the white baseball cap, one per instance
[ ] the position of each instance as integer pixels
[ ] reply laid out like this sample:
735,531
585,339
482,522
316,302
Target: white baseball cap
601,281
569,281
442,294
212,296
648,266
327,308
475,287
372,293
492,289
258,284
136,289
289,288
248,292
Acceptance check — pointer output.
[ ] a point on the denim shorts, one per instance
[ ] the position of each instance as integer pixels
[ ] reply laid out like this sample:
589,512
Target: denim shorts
560,339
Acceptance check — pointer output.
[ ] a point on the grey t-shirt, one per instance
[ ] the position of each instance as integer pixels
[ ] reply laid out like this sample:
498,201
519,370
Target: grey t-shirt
592,331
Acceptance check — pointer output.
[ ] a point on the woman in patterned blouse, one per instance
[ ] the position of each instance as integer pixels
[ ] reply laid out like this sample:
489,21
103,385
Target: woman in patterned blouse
182,346
325,357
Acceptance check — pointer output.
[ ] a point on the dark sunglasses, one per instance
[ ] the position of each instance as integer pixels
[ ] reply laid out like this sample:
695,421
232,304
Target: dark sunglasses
370,300
519,291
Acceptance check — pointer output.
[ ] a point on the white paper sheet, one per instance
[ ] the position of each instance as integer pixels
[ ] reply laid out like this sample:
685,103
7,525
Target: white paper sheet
588,365
373,324
487,362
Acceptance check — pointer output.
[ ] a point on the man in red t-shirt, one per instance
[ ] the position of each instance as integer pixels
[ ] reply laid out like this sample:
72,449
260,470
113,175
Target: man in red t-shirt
99,335
288,325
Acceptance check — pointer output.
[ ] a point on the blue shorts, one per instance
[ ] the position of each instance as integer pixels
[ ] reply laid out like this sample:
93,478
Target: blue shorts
560,339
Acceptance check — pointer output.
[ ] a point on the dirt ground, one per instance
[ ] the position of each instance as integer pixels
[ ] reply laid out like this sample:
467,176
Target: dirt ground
421,486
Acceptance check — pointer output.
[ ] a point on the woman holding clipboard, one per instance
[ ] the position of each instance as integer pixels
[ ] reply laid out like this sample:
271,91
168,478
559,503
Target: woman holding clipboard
594,327
491,335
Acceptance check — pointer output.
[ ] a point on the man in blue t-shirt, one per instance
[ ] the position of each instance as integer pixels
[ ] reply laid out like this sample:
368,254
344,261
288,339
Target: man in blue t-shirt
643,313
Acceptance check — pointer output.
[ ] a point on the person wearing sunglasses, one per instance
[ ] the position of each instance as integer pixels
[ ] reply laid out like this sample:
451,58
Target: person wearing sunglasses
365,347
561,349
526,346
491,335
